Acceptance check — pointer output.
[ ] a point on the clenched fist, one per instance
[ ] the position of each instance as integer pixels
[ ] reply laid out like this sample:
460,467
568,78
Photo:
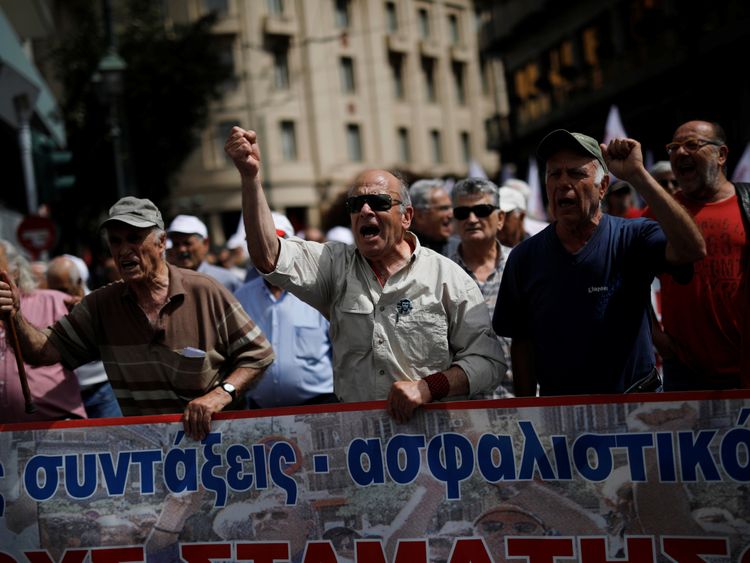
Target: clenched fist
242,147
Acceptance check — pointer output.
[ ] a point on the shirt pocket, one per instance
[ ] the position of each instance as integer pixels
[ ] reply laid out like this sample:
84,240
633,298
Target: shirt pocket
191,376
310,335
422,336
355,316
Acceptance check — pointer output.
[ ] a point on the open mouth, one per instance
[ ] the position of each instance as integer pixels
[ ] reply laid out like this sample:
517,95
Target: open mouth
184,256
369,231
128,265
566,202
685,167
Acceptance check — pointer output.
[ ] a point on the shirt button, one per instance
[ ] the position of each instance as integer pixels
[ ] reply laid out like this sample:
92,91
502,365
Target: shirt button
382,308
382,372
380,340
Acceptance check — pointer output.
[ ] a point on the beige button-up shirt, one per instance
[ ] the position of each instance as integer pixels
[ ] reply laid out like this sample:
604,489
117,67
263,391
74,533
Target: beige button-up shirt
429,316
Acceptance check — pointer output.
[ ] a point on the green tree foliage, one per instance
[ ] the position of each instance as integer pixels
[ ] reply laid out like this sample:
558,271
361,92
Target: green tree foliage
171,77
172,74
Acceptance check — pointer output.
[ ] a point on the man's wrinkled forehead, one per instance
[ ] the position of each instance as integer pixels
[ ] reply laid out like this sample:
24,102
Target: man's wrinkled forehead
374,181
702,129
569,160
123,230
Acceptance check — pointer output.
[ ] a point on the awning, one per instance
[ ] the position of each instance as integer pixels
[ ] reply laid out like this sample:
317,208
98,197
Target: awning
19,77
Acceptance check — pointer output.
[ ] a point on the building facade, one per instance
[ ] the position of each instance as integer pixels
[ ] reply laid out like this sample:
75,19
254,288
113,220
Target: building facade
336,86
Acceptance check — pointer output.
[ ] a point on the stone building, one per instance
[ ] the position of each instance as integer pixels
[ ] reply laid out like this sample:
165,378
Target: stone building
336,86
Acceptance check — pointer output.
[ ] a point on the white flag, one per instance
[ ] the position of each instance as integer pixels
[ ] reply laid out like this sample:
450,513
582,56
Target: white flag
476,170
614,128
535,208
742,172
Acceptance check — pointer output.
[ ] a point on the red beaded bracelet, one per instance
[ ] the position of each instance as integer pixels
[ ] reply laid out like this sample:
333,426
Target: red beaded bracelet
438,385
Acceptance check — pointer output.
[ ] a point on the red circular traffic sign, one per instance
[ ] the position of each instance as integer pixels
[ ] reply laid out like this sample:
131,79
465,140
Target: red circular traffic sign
36,234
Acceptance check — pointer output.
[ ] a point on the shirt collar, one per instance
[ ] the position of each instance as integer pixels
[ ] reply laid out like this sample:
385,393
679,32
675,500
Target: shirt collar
176,286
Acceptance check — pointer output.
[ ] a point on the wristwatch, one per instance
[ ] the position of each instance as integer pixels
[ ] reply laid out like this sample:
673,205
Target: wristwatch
231,389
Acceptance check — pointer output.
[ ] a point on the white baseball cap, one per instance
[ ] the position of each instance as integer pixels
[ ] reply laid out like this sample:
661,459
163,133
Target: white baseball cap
511,199
188,225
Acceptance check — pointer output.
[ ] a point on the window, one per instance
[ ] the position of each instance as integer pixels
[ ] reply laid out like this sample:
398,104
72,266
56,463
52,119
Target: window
423,21
288,140
220,7
391,17
397,71
484,69
348,84
458,82
465,142
281,69
341,13
223,130
454,33
436,144
354,142
430,88
275,7
404,148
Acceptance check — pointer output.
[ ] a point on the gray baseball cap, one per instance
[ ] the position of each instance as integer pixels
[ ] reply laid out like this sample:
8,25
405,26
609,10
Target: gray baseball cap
136,212
577,142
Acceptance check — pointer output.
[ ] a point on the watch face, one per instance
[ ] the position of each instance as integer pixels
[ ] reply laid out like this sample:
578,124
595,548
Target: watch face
231,389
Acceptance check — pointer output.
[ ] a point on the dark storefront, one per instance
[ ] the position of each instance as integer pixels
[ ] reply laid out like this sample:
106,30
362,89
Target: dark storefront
662,62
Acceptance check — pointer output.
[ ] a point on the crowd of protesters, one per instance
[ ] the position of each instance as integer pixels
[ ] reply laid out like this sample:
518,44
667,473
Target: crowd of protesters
434,292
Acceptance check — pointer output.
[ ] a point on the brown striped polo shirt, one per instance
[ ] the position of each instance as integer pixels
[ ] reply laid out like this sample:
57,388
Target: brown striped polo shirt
203,335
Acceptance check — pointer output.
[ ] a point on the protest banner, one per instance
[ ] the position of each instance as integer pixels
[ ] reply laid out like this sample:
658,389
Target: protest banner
650,477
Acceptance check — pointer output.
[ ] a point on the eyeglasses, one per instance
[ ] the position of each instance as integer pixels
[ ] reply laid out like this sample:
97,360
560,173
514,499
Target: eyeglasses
481,211
690,145
377,202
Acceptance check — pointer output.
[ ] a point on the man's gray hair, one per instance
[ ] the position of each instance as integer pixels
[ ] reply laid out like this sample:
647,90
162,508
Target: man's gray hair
476,187
403,190
599,173
19,268
421,190
660,167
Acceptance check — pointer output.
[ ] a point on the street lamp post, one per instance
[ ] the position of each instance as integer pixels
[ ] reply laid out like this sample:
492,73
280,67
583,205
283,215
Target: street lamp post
108,78
109,74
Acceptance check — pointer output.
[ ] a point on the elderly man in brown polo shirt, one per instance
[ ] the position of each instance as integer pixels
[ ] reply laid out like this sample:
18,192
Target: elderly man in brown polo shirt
172,340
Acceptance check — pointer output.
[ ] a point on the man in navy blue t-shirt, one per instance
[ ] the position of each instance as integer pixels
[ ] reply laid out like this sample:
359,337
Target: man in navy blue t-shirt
574,298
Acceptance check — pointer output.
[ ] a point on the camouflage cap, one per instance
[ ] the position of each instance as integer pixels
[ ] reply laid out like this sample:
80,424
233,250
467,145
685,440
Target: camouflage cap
577,142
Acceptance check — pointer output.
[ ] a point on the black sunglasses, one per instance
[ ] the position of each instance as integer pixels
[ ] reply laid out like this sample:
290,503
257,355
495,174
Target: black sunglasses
482,211
377,202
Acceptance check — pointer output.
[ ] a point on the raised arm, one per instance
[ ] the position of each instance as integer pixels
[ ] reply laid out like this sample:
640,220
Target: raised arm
35,346
685,243
262,241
